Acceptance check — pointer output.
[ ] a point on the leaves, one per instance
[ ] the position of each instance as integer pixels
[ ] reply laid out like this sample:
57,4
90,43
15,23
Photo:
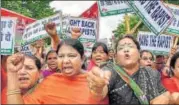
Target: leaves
37,9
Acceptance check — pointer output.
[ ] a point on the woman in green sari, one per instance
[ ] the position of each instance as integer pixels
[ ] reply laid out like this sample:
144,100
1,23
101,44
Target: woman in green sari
129,83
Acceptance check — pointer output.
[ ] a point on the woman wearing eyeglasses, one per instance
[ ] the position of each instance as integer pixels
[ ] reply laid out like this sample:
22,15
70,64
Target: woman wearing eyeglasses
146,58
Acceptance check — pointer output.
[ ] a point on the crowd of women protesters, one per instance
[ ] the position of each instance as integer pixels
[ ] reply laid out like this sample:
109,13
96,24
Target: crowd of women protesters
123,75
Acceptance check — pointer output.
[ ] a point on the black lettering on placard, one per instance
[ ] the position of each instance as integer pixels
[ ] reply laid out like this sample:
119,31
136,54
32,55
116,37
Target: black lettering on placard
3,24
35,31
176,12
169,40
87,24
108,2
143,40
10,24
36,25
178,24
163,19
53,19
151,6
160,16
24,48
29,34
102,3
27,29
25,36
163,41
142,1
152,41
74,22
88,31
8,36
119,1
159,44
111,2
58,24
174,21
2,35
44,22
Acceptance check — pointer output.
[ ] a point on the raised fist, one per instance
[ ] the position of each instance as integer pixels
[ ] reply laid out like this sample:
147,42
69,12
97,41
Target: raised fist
98,79
51,29
75,33
15,62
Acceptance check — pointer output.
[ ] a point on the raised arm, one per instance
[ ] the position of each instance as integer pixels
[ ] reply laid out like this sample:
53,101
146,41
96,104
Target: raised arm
52,32
14,64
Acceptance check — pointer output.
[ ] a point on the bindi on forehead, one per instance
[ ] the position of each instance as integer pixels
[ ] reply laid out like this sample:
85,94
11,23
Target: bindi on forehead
126,40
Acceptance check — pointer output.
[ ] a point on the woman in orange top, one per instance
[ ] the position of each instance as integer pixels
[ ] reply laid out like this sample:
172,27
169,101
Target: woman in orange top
172,84
68,87
28,76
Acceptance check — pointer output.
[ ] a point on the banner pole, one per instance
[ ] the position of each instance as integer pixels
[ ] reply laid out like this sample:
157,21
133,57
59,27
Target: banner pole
127,19
135,27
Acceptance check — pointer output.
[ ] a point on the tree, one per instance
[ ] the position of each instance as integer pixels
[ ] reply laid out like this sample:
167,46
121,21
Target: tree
134,19
32,8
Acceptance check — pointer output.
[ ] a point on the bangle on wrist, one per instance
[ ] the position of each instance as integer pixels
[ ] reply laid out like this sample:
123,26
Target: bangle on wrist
12,92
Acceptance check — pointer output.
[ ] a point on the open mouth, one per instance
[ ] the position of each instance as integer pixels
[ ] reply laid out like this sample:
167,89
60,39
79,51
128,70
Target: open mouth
149,65
23,79
52,65
67,69
98,59
127,56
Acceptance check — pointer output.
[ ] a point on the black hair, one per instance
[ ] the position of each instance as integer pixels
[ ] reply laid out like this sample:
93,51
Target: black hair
173,60
51,51
97,44
159,56
37,61
76,44
130,37
141,53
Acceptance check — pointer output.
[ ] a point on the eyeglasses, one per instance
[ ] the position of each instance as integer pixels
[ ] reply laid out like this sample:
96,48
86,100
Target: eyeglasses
145,59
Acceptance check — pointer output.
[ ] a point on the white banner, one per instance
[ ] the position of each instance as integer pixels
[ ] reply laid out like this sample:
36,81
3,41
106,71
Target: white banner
113,7
160,44
174,26
36,30
88,27
153,13
8,25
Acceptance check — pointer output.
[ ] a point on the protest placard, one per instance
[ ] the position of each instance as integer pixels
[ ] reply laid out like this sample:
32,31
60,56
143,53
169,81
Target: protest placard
174,26
155,15
26,49
160,44
88,28
8,25
88,44
36,30
65,26
21,22
113,7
